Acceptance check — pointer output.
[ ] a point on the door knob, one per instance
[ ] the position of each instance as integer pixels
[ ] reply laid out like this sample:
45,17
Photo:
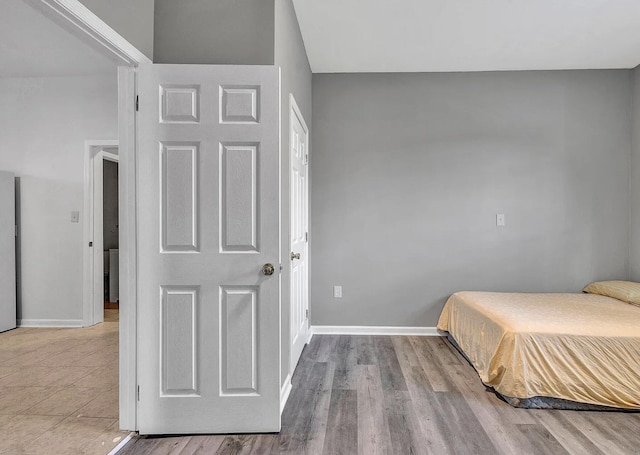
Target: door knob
268,269
295,256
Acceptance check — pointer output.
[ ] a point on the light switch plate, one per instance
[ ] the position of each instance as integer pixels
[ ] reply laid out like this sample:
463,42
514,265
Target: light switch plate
337,292
500,221
75,216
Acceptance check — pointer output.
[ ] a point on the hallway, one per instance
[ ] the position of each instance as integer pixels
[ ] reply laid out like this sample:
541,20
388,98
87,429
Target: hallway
59,389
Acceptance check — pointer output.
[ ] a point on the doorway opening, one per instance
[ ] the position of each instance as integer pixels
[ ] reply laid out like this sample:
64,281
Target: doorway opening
83,41
102,233
110,246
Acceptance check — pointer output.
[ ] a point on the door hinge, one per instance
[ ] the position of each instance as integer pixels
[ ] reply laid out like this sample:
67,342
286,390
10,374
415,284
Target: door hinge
138,393
306,236
137,103
306,313
306,158
90,244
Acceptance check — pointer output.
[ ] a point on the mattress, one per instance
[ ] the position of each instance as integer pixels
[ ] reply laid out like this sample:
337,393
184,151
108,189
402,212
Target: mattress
579,347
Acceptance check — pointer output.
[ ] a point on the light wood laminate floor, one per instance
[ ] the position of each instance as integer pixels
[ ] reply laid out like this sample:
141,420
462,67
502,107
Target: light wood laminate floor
406,395
59,390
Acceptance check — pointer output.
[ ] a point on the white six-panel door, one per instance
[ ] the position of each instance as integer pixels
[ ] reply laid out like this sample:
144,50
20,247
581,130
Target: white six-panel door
7,252
299,187
208,222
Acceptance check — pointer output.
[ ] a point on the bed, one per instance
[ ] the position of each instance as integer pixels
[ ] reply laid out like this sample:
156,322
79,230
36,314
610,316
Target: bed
550,350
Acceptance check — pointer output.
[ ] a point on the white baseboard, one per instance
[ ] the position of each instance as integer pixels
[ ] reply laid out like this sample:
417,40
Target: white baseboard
373,330
58,323
284,392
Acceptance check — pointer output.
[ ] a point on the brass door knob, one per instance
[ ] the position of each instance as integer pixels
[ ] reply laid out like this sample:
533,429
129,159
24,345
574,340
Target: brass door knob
268,269
295,256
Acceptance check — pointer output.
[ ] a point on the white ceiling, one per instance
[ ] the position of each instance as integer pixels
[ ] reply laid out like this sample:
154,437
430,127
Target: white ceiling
31,45
469,35
387,36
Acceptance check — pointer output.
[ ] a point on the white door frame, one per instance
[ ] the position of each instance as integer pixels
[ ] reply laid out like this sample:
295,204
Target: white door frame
95,153
294,110
76,18
90,29
128,260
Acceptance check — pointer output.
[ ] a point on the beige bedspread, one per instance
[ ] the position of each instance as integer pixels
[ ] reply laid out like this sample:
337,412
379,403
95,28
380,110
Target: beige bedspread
578,347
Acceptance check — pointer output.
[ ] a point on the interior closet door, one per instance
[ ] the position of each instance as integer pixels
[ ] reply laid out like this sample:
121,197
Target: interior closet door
299,188
7,251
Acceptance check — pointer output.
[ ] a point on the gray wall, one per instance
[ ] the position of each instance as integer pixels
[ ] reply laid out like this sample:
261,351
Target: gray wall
44,123
409,172
238,32
291,57
634,237
133,19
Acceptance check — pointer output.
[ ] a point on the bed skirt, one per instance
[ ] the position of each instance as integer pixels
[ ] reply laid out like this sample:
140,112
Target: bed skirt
541,402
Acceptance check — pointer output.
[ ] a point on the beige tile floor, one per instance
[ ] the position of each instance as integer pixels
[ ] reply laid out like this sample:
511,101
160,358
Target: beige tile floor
59,390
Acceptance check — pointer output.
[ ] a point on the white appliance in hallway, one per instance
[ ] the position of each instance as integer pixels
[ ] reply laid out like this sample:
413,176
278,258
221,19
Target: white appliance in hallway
114,275
7,251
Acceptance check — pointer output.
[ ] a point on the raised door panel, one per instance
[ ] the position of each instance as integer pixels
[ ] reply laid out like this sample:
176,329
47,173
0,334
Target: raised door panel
178,339
239,104
239,205
179,103
238,347
179,192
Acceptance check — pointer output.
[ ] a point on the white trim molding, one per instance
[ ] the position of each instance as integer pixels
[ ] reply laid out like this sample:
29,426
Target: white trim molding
80,21
285,391
57,323
128,246
373,330
122,443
